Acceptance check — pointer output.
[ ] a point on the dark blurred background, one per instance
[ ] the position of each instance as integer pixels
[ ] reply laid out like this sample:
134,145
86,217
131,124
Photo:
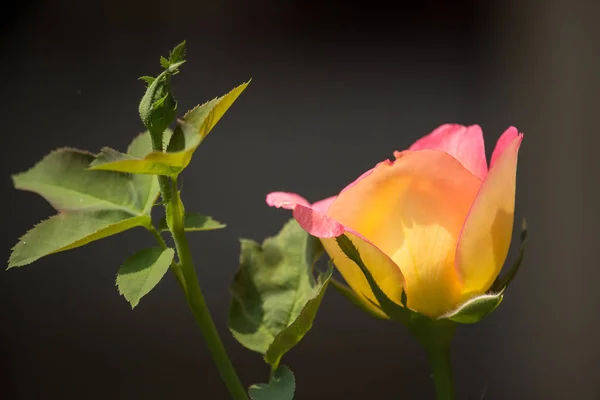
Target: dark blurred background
336,88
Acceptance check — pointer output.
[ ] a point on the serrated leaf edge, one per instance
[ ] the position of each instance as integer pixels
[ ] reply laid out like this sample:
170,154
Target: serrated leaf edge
146,220
110,205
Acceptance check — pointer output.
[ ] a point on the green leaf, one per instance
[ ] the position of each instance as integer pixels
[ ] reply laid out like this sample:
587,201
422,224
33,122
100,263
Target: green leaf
275,295
281,386
502,283
112,160
302,323
63,178
475,309
391,309
140,147
67,231
194,222
142,272
195,126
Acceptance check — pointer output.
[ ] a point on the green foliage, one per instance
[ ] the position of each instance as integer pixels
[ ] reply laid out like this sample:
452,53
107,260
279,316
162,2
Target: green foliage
102,195
112,160
194,127
142,272
141,145
67,231
92,204
194,222
62,178
290,336
281,386
275,295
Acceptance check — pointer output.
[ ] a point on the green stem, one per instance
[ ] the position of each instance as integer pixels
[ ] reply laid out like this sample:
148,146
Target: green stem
195,298
439,361
176,268
436,338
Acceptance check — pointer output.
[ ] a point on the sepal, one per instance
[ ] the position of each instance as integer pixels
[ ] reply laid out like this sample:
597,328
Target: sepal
469,312
501,283
474,309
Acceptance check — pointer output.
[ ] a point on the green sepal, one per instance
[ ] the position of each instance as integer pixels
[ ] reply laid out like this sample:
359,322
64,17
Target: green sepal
281,386
192,130
177,142
158,107
164,62
67,231
433,334
275,296
194,222
147,79
177,55
388,306
471,311
501,283
141,272
355,299
475,309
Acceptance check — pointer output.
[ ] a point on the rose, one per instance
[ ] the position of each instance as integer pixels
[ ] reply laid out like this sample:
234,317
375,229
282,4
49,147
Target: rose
435,222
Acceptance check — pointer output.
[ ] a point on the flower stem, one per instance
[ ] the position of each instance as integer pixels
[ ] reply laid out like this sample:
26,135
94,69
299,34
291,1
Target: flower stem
175,267
436,338
439,361
195,298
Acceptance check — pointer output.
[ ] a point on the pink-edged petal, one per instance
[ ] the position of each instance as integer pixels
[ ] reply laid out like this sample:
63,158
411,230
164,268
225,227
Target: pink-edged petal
314,220
487,232
323,205
504,140
285,200
465,143
360,178
413,210
317,223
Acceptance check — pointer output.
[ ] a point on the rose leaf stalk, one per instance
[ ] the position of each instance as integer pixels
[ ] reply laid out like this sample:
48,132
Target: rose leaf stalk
195,298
